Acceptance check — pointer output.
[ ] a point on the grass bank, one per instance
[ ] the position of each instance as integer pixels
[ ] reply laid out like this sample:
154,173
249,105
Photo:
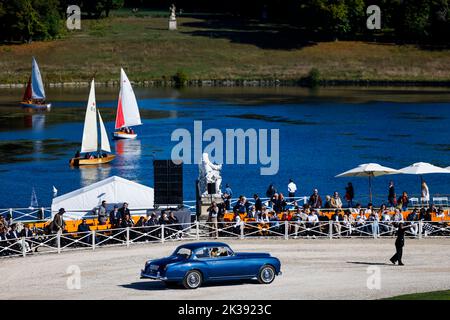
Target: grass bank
435,295
207,48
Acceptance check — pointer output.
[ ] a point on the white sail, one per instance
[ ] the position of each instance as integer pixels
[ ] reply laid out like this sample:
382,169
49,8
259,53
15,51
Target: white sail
37,87
129,104
90,143
103,136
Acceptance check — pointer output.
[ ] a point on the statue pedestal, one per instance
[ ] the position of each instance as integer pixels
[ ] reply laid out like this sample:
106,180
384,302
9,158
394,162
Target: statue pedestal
206,203
173,24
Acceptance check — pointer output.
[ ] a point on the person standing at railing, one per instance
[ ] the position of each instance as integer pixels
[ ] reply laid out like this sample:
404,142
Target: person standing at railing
124,211
258,203
292,188
237,223
213,215
392,197
3,241
241,205
58,224
349,194
84,229
228,190
348,221
315,201
337,219
374,218
403,201
312,221
425,193
102,213
270,192
114,216
226,201
385,226
336,202
279,204
28,234
176,228
399,244
412,218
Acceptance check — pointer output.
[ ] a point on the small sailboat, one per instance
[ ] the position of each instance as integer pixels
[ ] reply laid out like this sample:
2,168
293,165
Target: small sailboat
127,110
89,145
34,96
34,200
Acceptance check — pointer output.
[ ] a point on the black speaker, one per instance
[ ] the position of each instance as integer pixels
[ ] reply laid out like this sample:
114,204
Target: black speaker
212,188
168,180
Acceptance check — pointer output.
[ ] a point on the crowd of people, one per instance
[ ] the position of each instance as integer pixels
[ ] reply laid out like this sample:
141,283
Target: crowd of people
145,228
311,218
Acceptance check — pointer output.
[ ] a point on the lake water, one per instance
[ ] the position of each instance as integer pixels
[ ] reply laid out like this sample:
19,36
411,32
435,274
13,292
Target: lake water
322,133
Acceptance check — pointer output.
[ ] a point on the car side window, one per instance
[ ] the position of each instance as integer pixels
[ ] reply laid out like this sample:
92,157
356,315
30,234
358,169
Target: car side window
202,253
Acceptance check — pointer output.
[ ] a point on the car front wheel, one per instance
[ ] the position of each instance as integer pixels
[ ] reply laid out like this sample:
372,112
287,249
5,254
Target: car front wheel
192,279
266,274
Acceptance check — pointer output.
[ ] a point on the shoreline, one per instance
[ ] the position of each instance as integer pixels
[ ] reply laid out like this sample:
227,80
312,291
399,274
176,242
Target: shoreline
248,83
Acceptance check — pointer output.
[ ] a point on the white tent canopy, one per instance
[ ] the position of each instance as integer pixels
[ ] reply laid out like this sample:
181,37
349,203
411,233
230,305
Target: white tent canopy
114,190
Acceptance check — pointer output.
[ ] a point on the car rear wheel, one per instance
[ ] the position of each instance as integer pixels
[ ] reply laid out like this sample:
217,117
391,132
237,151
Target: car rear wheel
192,279
266,274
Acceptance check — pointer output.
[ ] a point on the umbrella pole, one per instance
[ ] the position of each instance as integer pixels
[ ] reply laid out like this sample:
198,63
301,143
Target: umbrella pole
420,192
370,189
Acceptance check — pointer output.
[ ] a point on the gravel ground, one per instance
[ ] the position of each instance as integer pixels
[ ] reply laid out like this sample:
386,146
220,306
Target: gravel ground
312,269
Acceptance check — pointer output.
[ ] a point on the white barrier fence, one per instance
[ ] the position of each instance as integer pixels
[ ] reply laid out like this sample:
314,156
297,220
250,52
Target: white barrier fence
62,242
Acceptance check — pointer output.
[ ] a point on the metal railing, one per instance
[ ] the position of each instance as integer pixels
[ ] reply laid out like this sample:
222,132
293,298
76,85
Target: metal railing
63,242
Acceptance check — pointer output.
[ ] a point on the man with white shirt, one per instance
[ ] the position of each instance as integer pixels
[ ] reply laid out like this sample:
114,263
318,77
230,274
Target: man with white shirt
292,188
312,221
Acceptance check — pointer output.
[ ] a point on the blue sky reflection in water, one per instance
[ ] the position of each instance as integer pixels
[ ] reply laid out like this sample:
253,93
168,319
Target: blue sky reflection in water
318,139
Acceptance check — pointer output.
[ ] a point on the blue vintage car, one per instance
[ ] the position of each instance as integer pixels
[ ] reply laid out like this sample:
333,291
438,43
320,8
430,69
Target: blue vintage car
192,264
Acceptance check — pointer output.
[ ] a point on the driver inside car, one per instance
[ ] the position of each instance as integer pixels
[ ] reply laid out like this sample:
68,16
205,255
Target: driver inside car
214,252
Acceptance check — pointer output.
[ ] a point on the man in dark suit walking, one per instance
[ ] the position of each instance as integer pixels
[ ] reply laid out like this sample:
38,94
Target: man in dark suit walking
399,243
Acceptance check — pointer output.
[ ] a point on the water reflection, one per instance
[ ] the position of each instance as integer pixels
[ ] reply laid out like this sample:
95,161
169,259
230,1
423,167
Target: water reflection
92,174
128,155
35,121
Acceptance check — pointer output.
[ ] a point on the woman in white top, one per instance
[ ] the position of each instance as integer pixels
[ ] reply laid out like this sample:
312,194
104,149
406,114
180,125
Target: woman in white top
425,193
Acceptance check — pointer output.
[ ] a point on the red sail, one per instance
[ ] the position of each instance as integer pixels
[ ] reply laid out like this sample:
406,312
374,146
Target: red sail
120,121
27,94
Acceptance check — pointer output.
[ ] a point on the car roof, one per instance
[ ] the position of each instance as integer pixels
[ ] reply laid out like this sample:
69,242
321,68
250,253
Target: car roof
196,245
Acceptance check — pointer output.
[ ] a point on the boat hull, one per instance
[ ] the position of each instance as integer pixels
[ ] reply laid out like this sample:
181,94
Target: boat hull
123,135
86,162
36,106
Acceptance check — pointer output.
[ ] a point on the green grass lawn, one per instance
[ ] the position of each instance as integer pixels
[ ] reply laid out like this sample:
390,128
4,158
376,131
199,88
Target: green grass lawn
205,47
435,295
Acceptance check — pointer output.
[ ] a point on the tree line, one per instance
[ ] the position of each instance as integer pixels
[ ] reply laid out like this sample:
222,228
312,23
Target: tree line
402,20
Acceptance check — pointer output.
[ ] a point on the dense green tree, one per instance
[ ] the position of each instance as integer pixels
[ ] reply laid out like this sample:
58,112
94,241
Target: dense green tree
27,20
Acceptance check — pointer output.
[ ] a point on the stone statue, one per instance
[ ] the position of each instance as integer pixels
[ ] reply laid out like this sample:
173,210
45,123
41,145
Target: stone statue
172,18
209,173
172,12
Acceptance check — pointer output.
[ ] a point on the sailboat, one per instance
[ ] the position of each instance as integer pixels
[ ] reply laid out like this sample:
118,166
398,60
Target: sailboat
90,137
34,96
34,200
127,110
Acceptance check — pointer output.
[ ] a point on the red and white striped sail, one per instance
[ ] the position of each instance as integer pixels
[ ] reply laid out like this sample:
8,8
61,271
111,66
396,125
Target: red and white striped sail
127,107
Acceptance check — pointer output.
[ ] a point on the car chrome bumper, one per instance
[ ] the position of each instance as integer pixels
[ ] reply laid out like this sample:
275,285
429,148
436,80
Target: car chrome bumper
150,276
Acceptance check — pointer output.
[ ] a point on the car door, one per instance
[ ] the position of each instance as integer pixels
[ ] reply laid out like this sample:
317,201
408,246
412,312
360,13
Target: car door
226,266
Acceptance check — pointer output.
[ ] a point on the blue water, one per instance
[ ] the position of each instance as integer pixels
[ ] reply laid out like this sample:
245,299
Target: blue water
318,140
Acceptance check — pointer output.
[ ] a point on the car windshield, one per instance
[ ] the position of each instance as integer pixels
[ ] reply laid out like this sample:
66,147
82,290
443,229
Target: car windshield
183,252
